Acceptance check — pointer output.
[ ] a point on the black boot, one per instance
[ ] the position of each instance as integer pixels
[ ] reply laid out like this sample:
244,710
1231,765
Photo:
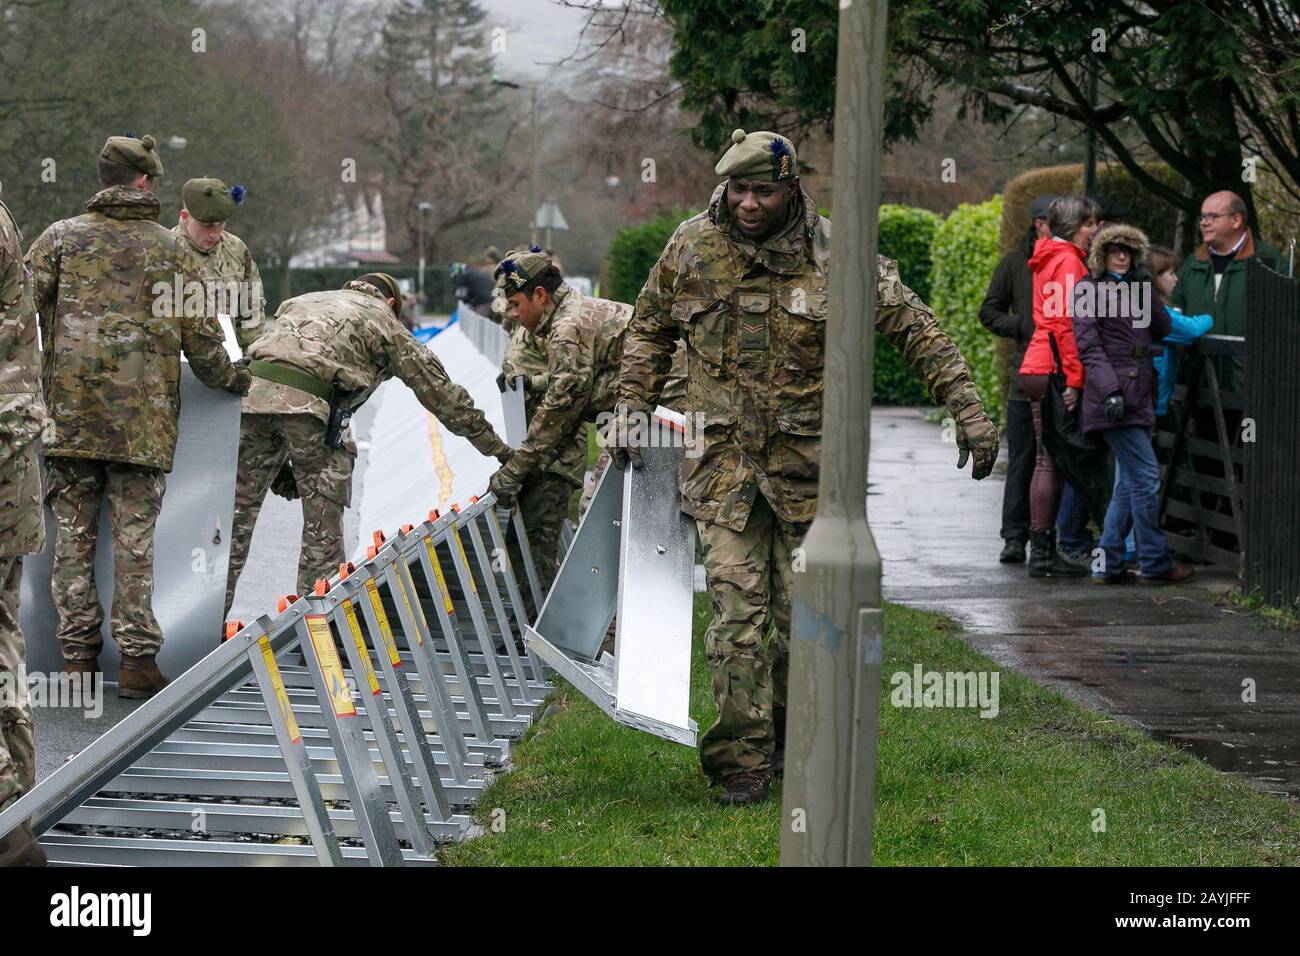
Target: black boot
1044,562
1013,551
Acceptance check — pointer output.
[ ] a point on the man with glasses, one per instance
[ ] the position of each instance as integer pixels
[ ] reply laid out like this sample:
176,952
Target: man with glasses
1213,279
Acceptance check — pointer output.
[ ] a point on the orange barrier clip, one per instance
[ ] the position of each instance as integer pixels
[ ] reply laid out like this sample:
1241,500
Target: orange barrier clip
346,568
233,628
321,587
284,602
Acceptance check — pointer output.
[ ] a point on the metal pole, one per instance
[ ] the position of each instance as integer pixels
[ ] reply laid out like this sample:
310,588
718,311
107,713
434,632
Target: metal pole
536,201
834,695
1090,160
420,213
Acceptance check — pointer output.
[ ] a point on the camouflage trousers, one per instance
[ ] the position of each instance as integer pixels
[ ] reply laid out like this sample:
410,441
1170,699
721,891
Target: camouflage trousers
17,744
324,479
76,487
749,579
544,503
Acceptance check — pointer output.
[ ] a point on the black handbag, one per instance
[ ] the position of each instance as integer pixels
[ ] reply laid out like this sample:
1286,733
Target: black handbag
1079,458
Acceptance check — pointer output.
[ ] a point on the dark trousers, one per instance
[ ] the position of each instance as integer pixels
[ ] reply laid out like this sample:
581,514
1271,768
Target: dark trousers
1021,449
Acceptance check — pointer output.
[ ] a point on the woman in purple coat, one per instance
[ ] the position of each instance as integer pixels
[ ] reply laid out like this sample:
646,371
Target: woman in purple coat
1118,319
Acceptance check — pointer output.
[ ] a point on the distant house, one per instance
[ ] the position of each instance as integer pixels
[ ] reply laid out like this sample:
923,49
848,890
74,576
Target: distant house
358,238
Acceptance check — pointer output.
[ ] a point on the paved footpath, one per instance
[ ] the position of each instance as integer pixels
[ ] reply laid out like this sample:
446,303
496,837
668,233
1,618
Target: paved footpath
1168,660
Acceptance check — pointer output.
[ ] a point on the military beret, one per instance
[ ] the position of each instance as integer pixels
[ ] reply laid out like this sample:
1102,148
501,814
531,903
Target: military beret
140,154
387,285
765,156
209,200
520,267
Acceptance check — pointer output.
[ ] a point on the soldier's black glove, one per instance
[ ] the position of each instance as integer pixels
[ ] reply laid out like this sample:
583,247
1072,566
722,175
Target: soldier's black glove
502,381
284,484
1113,407
243,379
624,435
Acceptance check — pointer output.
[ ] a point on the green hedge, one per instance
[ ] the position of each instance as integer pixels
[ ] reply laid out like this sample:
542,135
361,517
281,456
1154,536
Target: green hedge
906,234
965,253
635,250
437,285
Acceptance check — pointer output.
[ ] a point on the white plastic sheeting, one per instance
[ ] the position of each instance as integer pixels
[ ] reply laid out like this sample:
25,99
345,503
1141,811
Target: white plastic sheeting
415,464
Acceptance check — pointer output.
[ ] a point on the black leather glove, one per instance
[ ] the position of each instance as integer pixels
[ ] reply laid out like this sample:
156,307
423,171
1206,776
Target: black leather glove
501,381
284,484
1113,407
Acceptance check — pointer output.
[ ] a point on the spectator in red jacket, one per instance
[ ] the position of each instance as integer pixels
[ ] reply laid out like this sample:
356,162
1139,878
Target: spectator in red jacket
1057,264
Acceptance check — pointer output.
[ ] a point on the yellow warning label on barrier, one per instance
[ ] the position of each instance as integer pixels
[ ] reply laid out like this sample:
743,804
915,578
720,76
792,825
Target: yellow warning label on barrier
385,629
337,688
366,665
505,551
437,573
277,684
419,633
455,533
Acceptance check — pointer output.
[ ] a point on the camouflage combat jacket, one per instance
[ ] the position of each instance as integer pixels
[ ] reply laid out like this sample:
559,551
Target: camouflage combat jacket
104,286
583,338
231,264
526,355
22,414
754,321
350,339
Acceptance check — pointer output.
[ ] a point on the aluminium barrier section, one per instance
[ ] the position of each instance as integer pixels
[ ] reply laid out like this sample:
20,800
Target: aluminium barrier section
632,560
345,730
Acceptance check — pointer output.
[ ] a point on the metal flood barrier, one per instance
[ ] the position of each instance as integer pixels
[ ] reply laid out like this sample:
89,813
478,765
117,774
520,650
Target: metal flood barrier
354,727
488,336
632,558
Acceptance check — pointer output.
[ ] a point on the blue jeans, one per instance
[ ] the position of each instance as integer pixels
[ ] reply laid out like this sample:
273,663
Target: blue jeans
1136,502
1072,521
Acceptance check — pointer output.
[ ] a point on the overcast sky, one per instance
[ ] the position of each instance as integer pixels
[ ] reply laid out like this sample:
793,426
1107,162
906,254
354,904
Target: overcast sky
538,32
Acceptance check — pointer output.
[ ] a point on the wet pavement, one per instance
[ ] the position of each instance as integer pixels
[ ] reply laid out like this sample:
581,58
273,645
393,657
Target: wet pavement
1171,660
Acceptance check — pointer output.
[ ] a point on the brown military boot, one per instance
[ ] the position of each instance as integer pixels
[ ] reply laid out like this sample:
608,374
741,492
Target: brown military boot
89,665
139,678
742,788
19,848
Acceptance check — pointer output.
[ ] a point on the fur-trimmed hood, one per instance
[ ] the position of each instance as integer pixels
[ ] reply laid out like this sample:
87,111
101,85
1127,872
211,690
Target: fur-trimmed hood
1121,235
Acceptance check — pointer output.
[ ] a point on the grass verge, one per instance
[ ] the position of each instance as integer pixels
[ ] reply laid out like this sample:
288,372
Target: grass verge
952,788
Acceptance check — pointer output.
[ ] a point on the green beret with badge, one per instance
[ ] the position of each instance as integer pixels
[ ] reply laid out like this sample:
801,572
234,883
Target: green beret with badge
210,200
521,267
138,154
764,156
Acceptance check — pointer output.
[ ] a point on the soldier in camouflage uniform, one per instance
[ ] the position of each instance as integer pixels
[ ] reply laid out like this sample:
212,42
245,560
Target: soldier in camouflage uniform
22,526
544,497
347,343
224,262
583,339
745,284
113,341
